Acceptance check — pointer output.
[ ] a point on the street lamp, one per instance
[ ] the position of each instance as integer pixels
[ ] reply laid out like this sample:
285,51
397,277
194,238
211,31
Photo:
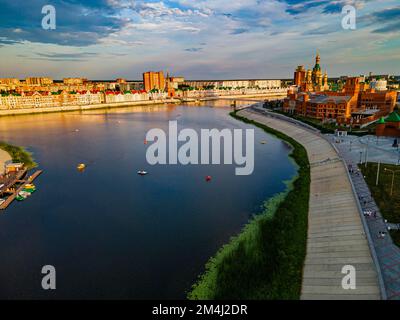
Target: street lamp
393,173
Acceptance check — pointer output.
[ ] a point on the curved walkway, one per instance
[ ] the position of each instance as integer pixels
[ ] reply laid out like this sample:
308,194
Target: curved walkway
336,235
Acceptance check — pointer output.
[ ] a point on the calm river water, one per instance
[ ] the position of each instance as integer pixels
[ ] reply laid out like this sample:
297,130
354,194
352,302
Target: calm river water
111,233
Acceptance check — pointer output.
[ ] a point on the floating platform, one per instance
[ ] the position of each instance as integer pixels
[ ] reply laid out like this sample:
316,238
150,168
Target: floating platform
12,196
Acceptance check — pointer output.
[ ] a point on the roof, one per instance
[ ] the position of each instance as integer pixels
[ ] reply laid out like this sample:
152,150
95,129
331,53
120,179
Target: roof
322,98
381,120
393,117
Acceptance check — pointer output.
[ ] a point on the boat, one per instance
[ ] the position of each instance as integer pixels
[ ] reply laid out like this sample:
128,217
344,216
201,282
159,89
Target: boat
29,190
81,166
19,198
263,142
29,187
24,194
142,173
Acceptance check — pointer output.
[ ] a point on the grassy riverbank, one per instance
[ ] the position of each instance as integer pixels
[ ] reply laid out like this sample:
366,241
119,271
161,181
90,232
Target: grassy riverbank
18,154
265,261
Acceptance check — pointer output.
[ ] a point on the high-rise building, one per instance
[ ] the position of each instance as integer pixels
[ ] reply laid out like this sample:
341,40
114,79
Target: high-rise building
38,81
299,76
74,81
154,80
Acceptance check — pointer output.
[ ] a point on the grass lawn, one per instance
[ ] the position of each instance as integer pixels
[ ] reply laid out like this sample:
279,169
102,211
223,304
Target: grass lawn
388,205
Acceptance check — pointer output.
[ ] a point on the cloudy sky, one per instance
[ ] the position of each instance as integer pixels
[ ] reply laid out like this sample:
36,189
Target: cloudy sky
198,39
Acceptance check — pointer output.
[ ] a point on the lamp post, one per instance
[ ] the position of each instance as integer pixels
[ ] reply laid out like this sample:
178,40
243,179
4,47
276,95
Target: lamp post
393,173
377,173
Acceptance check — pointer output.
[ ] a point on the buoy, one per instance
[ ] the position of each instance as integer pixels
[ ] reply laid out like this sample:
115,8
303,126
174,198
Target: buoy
81,166
145,141
208,178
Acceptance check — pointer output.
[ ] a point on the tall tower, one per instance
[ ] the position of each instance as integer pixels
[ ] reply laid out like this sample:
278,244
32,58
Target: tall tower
316,73
326,85
299,76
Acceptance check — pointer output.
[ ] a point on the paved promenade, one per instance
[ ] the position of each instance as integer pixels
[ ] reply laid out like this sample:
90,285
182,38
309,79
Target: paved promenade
387,252
336,236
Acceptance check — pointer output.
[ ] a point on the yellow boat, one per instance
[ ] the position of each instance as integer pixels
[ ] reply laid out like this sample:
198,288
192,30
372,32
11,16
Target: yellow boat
81,166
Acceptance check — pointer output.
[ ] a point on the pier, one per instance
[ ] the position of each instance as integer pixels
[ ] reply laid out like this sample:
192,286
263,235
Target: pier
18,179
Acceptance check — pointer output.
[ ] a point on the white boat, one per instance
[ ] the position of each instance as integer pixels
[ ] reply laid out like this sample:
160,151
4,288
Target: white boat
24,194
142,173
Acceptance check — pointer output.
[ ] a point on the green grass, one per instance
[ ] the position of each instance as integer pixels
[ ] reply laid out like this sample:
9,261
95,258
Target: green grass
19,154
388,205
265,261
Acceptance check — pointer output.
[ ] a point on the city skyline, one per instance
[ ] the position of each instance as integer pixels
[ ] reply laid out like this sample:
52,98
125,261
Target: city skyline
197,39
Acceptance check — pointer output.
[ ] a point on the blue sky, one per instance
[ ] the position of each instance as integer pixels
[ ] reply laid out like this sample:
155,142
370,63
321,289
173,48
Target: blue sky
199,39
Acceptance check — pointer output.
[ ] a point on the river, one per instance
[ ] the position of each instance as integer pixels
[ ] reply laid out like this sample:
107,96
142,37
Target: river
110,233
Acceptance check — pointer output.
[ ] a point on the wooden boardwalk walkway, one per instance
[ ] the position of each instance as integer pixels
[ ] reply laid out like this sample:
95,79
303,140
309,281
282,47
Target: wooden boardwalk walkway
336,236
12,196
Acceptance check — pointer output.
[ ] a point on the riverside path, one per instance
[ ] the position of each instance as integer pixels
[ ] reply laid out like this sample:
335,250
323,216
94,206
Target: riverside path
336,235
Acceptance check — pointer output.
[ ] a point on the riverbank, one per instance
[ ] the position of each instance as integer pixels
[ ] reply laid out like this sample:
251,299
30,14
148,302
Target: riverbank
265,261
4,158
16,154
14,112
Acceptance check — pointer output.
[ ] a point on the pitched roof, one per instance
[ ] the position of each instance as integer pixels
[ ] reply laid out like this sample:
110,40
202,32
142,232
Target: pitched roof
321,98
381,120
393,117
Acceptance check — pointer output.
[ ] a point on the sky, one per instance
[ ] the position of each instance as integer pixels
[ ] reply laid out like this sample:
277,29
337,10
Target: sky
197,39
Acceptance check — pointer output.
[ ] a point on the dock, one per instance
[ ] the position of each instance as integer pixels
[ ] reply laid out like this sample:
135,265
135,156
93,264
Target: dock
23,182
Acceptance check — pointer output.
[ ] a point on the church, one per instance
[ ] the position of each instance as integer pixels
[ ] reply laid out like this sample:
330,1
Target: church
311,80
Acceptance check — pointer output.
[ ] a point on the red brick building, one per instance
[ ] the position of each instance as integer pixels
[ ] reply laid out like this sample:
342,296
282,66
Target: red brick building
389,127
